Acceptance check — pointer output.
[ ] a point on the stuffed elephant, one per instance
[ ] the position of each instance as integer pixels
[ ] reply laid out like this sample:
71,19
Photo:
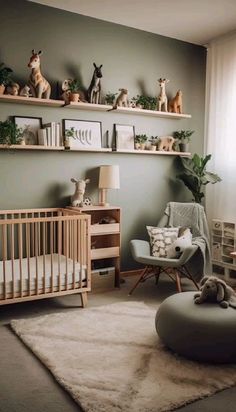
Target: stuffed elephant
214,289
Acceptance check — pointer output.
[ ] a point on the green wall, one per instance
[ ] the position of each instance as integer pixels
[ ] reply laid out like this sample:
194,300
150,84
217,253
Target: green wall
131,58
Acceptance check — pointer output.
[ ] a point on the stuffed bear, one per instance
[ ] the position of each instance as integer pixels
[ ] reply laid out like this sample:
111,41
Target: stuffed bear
215,290
175,250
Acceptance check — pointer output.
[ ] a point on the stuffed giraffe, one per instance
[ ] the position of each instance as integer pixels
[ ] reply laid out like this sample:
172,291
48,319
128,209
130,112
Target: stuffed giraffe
39,86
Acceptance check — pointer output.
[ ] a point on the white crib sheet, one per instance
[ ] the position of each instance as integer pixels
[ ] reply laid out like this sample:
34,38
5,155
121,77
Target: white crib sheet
32,264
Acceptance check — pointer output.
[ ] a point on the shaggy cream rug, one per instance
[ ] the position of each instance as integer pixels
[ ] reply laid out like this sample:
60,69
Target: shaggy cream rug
110,359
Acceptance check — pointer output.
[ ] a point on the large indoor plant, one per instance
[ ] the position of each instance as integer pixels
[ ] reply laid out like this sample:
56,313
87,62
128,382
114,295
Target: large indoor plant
183,138
5,77
195,176
10,133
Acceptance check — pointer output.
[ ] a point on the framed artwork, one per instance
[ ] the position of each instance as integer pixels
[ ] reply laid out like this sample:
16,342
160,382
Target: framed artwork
83,134
30,126
124,136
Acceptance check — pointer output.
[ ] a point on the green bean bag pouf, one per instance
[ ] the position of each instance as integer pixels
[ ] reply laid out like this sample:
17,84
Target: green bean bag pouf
203,332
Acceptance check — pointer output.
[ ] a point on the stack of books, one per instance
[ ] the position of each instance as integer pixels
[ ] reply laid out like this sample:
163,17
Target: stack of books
50,135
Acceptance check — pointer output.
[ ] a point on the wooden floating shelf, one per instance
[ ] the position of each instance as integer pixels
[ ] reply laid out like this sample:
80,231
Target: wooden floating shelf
31,100
152,152
155,113
88,106
103,150
30,147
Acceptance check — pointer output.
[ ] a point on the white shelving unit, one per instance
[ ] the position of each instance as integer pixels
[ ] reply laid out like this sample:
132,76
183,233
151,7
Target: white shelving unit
223,240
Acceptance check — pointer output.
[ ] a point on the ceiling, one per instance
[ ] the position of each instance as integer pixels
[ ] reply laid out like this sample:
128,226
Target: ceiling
194,21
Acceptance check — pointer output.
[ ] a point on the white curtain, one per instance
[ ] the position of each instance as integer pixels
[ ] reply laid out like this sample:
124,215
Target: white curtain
220,130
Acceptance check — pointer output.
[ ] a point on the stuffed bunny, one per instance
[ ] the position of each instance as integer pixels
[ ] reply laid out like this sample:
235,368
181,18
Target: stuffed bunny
214,289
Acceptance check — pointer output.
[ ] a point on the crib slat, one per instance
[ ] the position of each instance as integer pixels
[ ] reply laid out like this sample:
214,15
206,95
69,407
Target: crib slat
74,250
28,256
36,232
12,246
59,237
79,252
44,259
51,251
20,257
67,248
4,240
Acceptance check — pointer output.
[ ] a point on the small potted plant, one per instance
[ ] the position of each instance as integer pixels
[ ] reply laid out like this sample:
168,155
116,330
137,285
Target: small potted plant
140,141
153,143
183,139
74,87
5,77
10,133
110,97
68,134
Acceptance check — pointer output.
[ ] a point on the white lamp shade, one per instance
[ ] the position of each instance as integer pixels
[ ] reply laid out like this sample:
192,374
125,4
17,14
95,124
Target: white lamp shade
109,177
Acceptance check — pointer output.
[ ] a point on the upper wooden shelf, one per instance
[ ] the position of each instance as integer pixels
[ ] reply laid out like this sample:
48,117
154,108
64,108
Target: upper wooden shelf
88,106
154,113
151,152
7,98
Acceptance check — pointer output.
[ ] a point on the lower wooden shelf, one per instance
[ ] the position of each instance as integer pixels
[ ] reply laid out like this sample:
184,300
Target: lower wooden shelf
105,253
152,152
29,147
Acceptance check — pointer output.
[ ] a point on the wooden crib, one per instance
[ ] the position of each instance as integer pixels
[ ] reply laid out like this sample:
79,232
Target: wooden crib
43,253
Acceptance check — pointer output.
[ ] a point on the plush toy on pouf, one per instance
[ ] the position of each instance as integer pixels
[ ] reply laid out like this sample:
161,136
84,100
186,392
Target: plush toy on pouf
175,250
215,290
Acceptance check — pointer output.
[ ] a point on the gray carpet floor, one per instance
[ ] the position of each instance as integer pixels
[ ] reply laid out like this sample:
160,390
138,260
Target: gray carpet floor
27,386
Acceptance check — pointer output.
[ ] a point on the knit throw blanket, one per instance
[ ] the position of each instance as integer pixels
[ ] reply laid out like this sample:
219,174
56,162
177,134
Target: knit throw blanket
192,215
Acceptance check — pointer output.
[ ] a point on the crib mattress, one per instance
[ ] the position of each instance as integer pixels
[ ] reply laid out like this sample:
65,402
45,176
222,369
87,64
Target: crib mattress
80,273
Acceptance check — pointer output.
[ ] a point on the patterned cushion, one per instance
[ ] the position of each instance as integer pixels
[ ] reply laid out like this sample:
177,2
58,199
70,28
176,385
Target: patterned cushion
161,238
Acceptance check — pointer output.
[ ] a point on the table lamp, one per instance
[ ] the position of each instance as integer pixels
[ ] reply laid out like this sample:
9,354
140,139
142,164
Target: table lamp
109,178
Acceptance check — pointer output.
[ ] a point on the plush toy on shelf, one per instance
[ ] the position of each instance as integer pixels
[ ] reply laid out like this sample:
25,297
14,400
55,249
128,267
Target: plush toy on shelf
175,104
77,199
39,86
94,90
165,143
162,98
13,89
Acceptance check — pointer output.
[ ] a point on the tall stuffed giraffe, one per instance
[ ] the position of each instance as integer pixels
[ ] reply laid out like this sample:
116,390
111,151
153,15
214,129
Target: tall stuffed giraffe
162,98
39,86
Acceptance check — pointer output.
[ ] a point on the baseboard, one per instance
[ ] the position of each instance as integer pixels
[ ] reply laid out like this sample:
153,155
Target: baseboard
133,272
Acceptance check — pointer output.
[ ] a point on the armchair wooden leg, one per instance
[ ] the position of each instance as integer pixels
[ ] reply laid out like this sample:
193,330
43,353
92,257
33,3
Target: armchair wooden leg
178,282
140,279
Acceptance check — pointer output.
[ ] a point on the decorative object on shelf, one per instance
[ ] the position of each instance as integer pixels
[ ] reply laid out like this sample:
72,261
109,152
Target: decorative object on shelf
77,199
5,77
86,134
109,178
121,100
30,127
183,138
87,201
25,91
162,98
195,175
124,135
175,104
94,90
10,133
110,98
216,290
65,95
166,143
140,141
39,86
13,89
132,102
73,90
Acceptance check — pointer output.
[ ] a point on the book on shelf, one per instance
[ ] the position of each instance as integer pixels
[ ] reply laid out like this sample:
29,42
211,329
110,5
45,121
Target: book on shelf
50,135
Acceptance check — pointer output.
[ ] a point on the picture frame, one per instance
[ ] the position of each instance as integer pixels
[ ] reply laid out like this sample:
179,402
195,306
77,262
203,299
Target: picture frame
30,126
124,136
87,133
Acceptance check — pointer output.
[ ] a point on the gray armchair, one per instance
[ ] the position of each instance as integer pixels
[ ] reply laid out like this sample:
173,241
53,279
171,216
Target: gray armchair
154,266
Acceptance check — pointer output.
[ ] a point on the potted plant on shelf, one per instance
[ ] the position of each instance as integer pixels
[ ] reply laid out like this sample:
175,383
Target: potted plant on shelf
68,134
74,88
153,143
10,133
183,139
140,141
5,77
110,98
195,176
